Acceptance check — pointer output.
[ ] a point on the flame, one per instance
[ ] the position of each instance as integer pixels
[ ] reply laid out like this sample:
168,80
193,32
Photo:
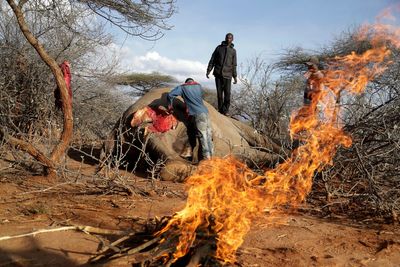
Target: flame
225,196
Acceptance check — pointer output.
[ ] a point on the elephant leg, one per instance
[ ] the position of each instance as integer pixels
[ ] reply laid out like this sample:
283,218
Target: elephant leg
177,170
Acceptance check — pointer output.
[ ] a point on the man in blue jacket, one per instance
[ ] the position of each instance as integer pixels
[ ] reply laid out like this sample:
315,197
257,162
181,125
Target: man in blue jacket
192,94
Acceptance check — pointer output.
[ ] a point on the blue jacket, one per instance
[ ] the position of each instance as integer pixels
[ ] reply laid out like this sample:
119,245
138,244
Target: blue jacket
192,94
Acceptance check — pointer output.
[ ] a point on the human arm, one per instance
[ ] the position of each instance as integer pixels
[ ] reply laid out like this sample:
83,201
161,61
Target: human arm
234,74
211,63
177,91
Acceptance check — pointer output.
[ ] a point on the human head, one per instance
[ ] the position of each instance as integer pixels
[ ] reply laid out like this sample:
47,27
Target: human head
189,80
229,38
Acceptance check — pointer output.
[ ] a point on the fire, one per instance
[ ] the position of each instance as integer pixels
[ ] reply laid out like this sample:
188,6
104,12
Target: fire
225,196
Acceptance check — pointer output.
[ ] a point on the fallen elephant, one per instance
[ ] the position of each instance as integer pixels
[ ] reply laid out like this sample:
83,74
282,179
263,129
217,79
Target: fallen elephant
147,135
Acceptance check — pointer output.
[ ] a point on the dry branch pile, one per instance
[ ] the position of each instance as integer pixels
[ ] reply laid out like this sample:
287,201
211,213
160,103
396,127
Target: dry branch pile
147,248
367,174
365,178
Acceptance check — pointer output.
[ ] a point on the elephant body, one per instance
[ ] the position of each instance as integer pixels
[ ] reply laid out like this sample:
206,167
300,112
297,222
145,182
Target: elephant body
134,134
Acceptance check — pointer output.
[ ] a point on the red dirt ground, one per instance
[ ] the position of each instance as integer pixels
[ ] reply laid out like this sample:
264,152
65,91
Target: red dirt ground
297,240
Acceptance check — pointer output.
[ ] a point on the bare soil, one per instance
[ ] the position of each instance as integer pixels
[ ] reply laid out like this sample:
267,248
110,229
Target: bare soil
31,203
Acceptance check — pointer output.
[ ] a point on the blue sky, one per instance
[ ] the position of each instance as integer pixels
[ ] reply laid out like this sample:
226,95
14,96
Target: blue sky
260,27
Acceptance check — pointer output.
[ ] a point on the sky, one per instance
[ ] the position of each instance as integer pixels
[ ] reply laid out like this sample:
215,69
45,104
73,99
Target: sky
262,28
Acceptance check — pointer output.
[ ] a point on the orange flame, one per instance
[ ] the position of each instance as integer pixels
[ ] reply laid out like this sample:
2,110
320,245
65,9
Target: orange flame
224,196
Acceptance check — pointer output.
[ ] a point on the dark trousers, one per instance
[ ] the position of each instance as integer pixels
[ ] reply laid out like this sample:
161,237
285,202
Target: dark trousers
191,131
223,93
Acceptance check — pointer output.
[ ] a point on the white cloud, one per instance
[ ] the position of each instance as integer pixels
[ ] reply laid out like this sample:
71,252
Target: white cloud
179,68
152,61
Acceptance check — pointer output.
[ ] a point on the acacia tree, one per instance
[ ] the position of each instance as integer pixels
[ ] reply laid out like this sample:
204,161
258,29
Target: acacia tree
144,82
140,18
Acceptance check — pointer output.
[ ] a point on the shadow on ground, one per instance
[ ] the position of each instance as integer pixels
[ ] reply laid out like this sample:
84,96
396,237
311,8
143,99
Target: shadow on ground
34,255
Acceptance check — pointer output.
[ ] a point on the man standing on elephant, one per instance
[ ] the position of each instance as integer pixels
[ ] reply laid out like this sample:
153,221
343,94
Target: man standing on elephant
224,62
192,94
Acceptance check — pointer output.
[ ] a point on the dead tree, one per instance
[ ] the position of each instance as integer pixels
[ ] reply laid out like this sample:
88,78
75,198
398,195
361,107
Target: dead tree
60,148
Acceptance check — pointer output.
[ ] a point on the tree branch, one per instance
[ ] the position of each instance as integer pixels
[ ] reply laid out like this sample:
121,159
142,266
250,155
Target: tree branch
30,149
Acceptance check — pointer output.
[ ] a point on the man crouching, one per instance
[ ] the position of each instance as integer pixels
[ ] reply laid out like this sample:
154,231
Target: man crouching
192,94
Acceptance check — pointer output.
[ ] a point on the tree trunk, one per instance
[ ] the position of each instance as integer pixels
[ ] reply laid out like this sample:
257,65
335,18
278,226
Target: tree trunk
62,145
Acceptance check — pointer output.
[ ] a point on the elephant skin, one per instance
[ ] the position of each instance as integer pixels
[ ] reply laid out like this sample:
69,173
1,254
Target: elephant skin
127,143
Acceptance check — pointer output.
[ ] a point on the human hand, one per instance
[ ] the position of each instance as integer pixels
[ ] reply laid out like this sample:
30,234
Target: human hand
170,109
207,75
235,80
163,110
